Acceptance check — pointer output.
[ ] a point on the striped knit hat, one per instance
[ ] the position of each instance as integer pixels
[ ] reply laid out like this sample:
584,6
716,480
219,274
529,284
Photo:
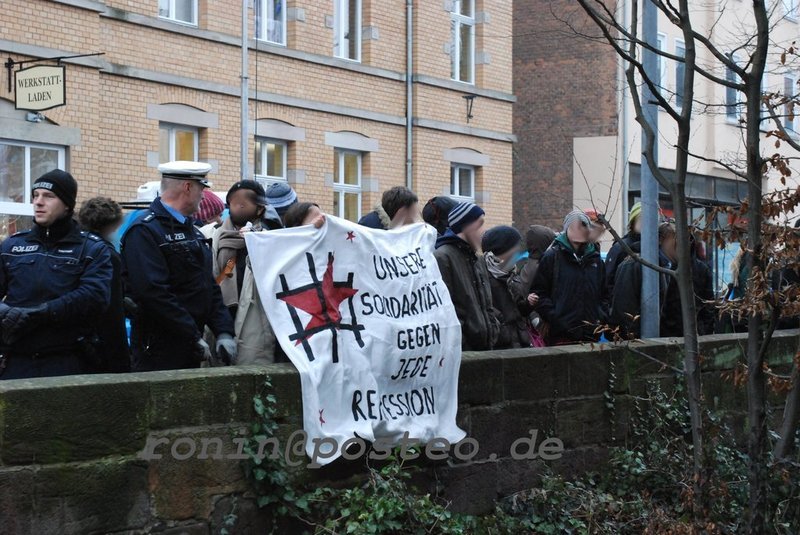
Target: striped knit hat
281,196
462,215
576,215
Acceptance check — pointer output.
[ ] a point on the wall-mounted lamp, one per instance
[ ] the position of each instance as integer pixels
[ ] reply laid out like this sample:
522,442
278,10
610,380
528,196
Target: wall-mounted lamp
470,99
34,117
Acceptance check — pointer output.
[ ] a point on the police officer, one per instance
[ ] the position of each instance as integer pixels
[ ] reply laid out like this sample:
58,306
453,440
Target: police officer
167,268
55,280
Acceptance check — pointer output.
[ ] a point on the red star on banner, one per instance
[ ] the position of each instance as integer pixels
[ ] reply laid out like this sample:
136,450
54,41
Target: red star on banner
324,308
351,236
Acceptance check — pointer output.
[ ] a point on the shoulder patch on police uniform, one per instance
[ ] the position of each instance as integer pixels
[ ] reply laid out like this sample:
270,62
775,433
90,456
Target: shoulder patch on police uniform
91,236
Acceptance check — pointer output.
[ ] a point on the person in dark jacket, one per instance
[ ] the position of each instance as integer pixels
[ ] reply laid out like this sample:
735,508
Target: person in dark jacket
626,302
466,277
520,283
435,212
103,217
167,268
54,285
399,206
617,254
570,284
502,249
703,284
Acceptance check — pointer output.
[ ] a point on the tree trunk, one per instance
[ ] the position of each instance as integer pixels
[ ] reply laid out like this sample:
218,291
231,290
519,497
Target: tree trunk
791,416
756,378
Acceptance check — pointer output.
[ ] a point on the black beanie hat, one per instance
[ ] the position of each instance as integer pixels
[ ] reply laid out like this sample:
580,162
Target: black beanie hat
252,185
436,210
501,239
61,183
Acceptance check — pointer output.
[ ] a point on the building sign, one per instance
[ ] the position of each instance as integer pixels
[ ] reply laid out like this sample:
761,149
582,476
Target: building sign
40,87
365,317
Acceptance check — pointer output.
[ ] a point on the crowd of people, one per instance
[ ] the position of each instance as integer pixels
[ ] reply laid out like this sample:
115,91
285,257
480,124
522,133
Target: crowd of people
182,277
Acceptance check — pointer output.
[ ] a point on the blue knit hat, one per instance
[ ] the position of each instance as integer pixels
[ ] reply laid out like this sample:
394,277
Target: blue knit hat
462,215
281,196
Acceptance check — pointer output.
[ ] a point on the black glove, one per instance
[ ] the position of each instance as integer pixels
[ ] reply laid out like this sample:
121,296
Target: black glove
17,321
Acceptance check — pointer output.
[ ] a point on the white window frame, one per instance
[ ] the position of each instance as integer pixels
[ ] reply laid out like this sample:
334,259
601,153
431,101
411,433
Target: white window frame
261,174
679,43
731,77
794,128
455,181
262,19
172,11
340,188
25,208
790,9
456,21
661,44
340,20
171,129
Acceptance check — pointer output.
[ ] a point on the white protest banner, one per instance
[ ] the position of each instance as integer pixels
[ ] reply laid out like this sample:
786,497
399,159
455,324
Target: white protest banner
365,317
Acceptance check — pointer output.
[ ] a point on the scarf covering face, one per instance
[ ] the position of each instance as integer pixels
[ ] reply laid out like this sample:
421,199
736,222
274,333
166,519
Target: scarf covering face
497,268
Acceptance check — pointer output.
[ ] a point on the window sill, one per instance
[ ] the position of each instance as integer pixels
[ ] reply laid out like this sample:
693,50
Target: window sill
268,42
462,82
351,60
178,22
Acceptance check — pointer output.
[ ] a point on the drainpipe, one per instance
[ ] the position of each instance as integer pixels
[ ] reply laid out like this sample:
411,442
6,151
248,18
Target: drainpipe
409,91
245,94
624,150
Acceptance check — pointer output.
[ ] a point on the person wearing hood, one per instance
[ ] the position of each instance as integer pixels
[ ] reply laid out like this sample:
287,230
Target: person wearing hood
570,285
55,281
435,212
249,211
537,240
502,250
466,277
399,206
626,302
617,254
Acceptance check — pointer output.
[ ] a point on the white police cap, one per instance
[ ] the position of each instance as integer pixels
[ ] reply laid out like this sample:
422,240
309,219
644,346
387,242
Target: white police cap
185,170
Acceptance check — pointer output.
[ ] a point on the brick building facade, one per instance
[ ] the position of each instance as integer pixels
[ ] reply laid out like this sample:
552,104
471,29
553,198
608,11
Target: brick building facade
579,143
566,86
327,107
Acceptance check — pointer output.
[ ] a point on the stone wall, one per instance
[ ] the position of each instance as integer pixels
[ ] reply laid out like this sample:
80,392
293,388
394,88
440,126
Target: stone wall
70,448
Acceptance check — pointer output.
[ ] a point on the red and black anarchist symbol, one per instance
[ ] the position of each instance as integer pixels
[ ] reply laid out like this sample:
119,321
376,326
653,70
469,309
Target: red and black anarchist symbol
321,299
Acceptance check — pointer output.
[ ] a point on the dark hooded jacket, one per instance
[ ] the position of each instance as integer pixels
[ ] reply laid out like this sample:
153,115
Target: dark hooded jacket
571,290
466,277
626,304
671,314
617,255
377,219
537,240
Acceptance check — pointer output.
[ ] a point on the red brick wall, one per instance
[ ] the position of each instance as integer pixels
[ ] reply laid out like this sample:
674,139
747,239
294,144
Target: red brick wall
566,88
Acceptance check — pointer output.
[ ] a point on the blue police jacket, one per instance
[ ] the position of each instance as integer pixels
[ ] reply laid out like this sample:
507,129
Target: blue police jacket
167,267
65,268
